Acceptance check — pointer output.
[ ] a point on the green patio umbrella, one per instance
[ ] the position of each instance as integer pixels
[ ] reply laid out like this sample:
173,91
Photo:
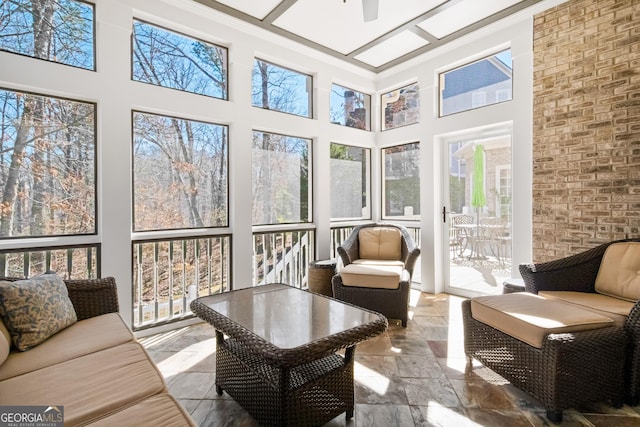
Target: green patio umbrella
478,198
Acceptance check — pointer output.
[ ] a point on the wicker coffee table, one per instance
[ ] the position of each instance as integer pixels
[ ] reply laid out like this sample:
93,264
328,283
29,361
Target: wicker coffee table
276,351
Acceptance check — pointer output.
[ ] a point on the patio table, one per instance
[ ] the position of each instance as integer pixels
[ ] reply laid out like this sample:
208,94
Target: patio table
277,351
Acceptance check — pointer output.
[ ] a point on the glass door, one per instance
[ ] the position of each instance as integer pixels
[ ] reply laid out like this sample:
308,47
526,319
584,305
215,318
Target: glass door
477,214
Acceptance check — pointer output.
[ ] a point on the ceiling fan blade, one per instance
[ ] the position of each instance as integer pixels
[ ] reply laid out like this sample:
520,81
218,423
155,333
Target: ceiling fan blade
370,10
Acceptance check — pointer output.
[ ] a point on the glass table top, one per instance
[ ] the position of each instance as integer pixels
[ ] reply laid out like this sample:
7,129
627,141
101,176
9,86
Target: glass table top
288,317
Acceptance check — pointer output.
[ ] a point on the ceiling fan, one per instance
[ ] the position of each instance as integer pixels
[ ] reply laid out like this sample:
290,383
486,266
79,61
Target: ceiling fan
369,10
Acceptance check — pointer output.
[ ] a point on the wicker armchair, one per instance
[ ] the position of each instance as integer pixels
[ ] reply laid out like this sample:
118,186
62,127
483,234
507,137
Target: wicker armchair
578,273
393,303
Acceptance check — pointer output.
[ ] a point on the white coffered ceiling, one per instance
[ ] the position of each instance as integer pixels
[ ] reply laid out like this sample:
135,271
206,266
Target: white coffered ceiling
403,29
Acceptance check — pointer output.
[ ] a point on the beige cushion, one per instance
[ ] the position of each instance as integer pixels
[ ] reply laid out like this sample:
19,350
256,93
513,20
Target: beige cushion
35,309
160,410
380,243
84,337
5,343
382,276
614,308
619,273
530,318
89,386
374,262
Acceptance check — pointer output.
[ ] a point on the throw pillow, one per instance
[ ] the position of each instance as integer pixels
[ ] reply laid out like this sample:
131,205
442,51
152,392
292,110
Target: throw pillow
5,342
35,309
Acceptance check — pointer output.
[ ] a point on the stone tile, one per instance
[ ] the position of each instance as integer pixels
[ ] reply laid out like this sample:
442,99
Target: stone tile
383,415
191,385
455,368
222,413
429,321
482,394
380,390
493,418
436,391
418,366
612,420
375,366
403,346
440,416
380,345
439,348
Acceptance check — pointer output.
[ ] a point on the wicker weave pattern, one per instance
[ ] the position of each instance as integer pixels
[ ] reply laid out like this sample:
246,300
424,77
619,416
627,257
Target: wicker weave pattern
578,273
306,385
393,303
569,370
309,394
90,297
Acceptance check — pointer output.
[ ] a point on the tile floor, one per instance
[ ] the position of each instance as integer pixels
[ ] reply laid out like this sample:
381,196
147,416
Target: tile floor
413,376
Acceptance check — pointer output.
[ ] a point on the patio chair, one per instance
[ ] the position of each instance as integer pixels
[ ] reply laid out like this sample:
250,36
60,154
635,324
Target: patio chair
458,239
378,261
493,235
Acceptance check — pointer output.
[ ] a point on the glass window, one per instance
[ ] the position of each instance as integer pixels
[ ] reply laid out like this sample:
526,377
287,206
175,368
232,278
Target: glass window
481,83
281,89
179,173
281,179
54,30
47,166
350,108
400,107
503,192
350,182
401,181
176,61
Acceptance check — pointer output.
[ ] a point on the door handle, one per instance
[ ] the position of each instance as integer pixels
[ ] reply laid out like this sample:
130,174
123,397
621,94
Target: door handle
444,214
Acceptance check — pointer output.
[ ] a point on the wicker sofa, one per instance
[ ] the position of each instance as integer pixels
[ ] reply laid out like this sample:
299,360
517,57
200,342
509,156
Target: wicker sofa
94,368
378,261
577,280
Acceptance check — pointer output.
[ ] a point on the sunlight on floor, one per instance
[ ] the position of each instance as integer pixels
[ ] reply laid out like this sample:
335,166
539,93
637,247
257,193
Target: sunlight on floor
369,378
198,352
436,413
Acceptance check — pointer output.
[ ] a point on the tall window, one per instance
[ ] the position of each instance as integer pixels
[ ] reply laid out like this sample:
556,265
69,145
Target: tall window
401,181
176,61
47,166
350,107
180,173
54,30
400,107
350,182
503,190
280,89
481,83
281,179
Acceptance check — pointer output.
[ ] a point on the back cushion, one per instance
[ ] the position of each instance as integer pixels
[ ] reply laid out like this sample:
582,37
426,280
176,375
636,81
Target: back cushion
619,273
380,243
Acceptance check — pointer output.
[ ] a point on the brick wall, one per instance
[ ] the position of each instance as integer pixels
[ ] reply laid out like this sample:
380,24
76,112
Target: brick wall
586,126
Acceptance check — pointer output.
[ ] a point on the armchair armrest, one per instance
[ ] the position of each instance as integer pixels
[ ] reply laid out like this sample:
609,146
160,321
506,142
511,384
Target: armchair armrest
349,249
573,273
411,259
93,297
